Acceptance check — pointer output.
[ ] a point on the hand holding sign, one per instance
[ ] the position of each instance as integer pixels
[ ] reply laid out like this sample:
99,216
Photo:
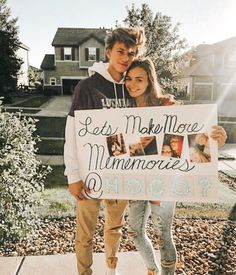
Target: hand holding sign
77,190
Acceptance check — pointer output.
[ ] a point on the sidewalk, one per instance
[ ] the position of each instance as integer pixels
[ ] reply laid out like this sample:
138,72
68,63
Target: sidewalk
56,106
129,263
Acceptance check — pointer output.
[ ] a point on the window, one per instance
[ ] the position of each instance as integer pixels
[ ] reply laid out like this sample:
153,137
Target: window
231,60
91,53
67,53
52,81
203,91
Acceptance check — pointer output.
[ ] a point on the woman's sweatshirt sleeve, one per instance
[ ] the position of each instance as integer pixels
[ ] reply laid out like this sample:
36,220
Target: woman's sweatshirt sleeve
70,152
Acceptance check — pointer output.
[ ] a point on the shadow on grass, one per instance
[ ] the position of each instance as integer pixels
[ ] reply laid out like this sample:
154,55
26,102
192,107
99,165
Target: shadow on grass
56,178
33,102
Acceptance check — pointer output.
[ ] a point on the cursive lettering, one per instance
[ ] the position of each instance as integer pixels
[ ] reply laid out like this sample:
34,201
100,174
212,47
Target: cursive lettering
104,130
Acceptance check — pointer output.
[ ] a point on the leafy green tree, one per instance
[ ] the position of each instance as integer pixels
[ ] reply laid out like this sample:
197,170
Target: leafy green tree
35,79
163,45
9,44
21,177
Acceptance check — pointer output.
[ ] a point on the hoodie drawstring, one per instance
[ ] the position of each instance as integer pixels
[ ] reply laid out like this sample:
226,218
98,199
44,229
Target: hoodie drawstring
115,93
123,95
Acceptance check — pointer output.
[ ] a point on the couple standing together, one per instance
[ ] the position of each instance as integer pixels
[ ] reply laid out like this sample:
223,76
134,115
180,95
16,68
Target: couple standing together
126,80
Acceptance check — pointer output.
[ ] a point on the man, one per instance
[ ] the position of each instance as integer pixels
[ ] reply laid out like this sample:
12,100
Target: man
104,89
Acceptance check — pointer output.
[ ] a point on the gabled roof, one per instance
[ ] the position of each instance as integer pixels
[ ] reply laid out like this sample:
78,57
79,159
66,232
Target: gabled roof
200,68
76,36
48,62
206,49
223,43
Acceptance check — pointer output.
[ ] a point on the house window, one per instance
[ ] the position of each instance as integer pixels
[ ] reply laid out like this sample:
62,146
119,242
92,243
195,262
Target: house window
52,81
91,53
231,60
203,91
67,53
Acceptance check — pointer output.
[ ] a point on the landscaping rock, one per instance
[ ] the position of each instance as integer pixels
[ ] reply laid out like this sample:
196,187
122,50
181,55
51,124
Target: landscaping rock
203,246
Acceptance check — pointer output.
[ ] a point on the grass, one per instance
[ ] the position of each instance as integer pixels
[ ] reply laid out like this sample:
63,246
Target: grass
56,178
56,203
216,211
50,147
33,102
51,127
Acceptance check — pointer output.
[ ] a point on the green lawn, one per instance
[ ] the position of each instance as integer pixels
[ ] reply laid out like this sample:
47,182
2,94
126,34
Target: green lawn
56,178
33,102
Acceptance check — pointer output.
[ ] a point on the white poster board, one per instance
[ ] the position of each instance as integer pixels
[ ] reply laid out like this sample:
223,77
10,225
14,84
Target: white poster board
149,153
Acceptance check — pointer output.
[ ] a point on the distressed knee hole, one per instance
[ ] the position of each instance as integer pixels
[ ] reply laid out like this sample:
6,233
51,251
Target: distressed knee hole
132,233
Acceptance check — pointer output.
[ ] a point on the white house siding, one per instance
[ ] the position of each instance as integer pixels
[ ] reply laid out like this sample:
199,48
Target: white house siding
23,77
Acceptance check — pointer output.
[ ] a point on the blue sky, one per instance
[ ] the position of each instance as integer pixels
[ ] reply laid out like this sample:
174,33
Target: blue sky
202,21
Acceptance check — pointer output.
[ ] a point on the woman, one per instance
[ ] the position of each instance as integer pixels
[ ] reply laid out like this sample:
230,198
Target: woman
196,155
141,83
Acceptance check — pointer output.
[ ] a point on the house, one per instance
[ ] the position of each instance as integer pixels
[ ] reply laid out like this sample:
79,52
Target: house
23,74
211,78
75,49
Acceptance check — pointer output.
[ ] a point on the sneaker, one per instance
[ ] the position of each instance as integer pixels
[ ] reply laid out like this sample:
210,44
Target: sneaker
112,271
152,273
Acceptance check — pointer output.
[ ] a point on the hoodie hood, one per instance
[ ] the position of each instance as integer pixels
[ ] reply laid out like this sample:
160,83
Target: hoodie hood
102,69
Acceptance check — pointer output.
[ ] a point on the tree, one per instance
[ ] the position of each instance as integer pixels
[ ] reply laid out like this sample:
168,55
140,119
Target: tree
21,177
163,45
35,79
9,44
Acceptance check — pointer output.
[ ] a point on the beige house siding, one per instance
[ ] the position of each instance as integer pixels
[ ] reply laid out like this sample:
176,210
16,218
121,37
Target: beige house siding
65,74
92,42
66,70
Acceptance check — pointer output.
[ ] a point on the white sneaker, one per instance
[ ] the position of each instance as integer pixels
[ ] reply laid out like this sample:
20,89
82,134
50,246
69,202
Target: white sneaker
111,271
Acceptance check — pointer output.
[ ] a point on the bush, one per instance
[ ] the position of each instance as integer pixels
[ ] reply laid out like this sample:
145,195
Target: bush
21,177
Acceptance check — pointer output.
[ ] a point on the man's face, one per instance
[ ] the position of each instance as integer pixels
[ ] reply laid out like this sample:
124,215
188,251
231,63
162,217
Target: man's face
120,58
174,143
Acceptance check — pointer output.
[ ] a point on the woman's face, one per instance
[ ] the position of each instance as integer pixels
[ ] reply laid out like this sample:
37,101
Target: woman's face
136,82
166,151
201,139
194,155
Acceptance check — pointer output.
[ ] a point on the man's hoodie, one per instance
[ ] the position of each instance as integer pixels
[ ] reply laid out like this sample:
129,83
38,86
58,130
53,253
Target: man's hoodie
98,91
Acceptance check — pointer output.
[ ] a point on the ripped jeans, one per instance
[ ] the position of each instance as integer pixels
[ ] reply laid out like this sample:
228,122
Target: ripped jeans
162,216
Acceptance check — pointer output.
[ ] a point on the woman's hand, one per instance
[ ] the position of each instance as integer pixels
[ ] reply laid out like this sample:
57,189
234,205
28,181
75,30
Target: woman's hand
218,133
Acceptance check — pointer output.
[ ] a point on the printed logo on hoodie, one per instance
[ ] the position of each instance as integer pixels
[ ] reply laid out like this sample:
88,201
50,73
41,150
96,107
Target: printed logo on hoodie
108,103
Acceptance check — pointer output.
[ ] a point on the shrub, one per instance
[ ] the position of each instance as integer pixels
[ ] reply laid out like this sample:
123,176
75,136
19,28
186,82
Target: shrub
21,176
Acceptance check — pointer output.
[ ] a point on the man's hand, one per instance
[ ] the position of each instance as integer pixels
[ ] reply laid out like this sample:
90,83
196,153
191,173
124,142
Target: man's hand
218,133
77,190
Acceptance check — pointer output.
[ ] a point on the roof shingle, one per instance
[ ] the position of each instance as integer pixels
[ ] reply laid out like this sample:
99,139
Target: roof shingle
48,62
76,36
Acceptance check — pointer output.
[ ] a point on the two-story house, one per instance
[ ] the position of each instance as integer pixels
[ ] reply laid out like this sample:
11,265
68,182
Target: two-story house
211,76
75,49
23,74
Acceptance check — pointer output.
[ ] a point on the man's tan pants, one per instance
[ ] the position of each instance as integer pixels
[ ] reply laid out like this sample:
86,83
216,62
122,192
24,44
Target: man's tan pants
87,217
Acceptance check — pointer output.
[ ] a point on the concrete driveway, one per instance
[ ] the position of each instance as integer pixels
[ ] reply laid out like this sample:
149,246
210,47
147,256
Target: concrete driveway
56,106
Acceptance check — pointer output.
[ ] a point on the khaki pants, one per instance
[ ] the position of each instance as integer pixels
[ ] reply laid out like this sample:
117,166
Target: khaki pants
87,216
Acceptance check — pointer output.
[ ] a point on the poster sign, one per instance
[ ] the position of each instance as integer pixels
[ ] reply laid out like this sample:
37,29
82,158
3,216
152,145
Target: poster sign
149,153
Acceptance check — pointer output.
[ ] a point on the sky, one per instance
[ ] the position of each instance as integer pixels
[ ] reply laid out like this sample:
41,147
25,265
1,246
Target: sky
201,21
